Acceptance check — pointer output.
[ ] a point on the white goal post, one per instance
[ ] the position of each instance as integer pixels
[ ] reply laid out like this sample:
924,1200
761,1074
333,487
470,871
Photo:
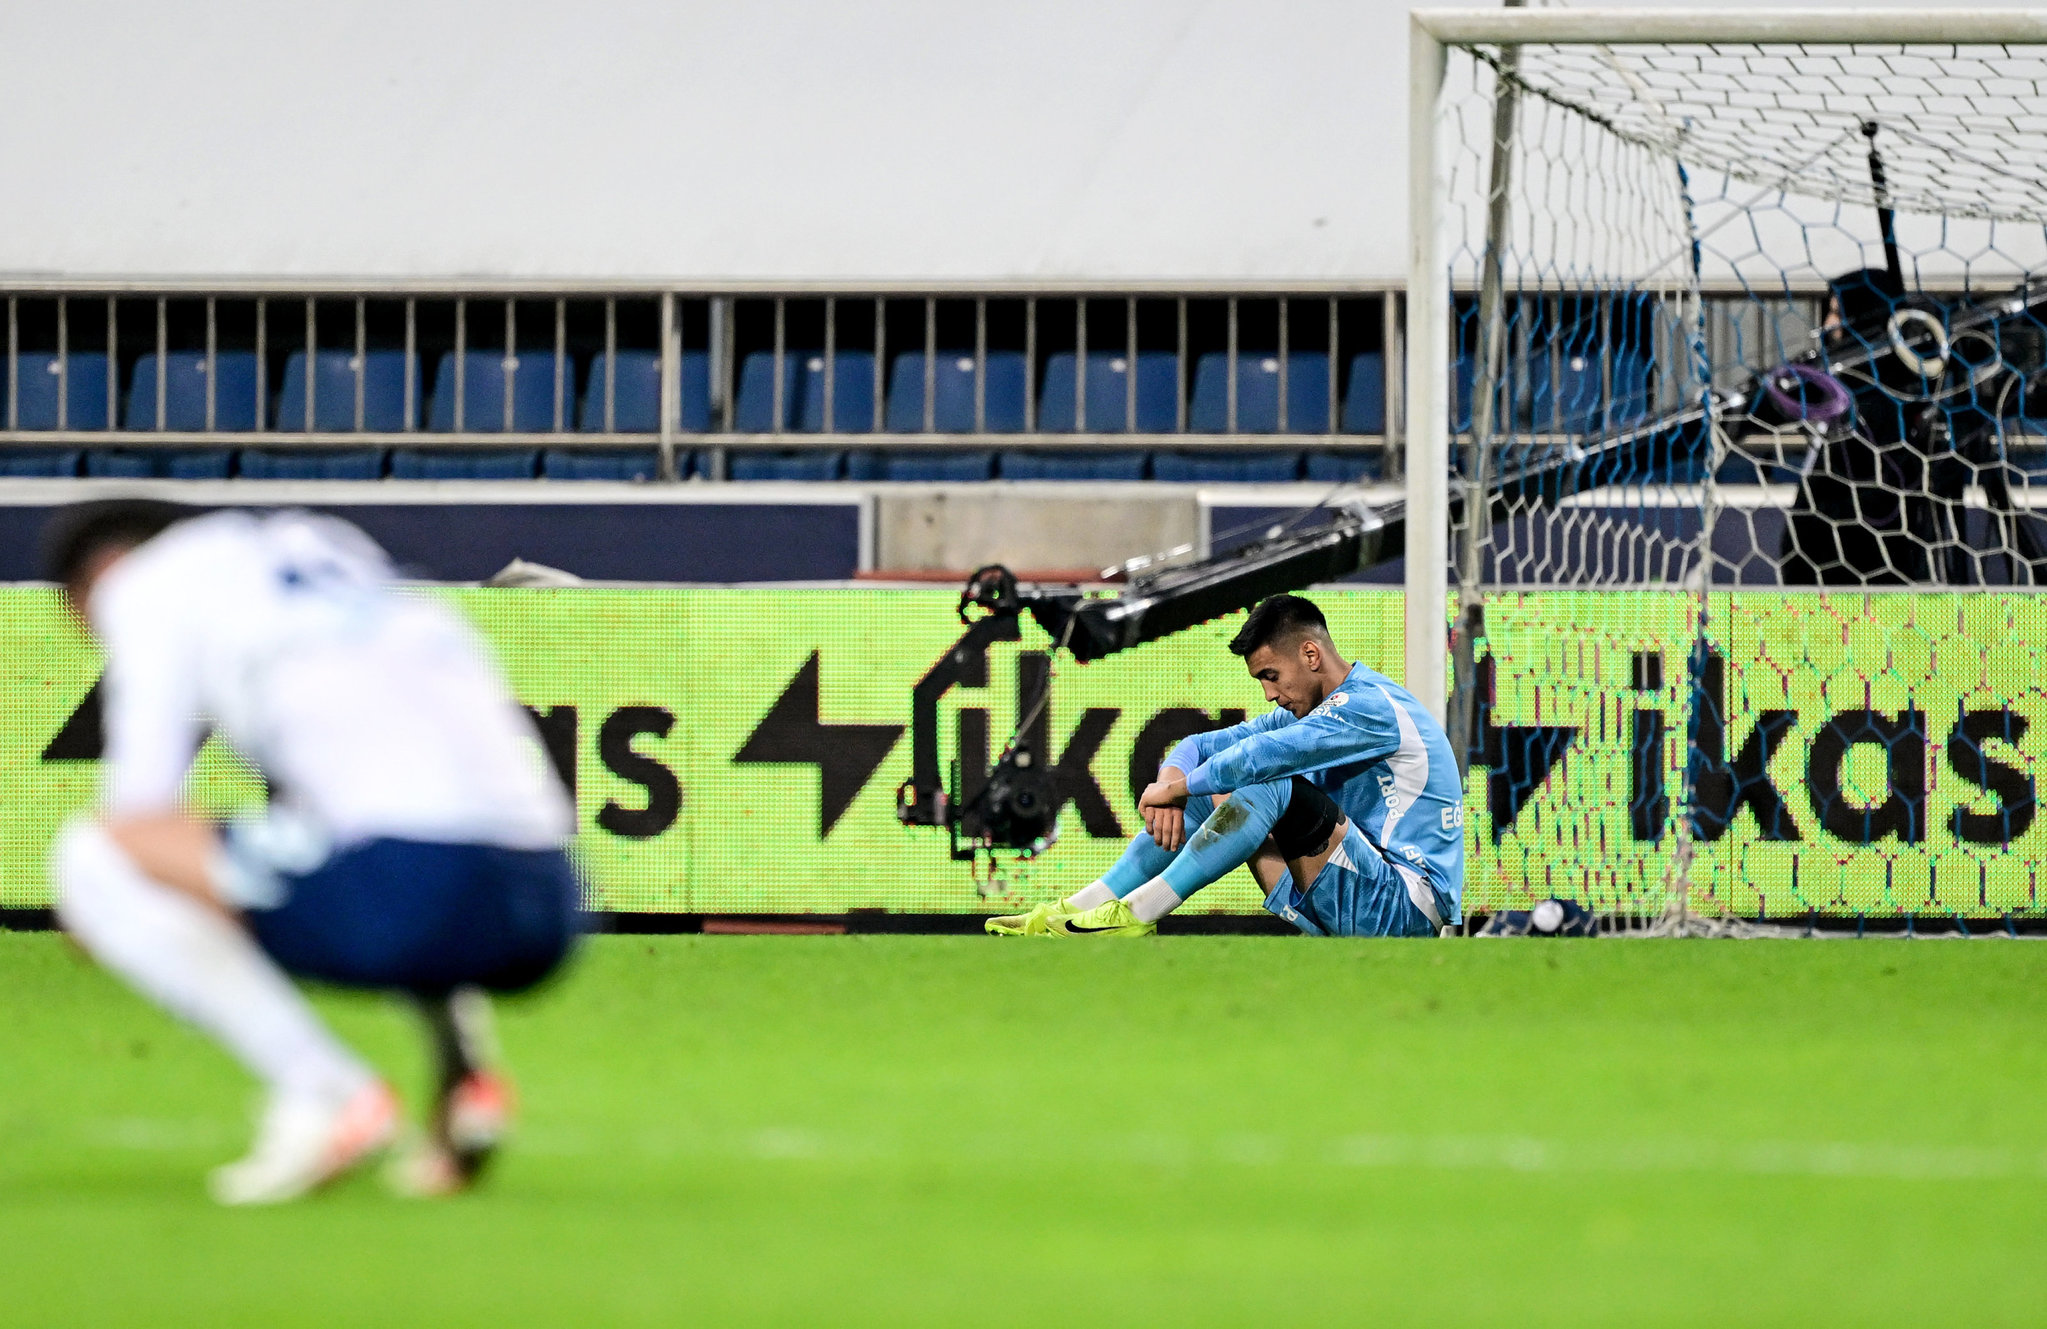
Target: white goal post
1726,407
1431,34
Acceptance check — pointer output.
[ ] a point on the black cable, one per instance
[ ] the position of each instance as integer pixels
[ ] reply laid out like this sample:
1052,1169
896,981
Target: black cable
1045,694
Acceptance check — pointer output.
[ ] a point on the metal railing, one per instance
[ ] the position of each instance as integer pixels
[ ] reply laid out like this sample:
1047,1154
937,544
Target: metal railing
741,369
261,366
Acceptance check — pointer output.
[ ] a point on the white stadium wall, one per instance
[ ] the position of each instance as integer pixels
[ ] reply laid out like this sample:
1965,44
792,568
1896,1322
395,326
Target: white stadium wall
777,140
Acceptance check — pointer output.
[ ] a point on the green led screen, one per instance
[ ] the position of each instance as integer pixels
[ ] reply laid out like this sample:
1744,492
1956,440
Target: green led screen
738,751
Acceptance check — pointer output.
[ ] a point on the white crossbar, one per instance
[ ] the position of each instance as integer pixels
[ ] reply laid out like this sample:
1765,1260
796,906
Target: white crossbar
1588,27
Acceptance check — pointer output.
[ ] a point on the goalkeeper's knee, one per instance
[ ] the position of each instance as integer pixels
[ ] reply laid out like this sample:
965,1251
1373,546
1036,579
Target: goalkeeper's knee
1297,815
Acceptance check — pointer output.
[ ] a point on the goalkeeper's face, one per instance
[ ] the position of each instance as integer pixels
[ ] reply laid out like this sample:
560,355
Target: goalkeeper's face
1294,674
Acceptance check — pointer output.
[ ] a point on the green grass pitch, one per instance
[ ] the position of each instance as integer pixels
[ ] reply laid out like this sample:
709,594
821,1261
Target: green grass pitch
1189,1131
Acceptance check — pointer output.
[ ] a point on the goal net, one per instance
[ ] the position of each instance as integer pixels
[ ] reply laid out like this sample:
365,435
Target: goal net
1729,387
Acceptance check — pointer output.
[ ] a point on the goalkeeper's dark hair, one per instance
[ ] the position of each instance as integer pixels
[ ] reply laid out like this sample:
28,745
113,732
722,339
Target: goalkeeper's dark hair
75,535
1276,619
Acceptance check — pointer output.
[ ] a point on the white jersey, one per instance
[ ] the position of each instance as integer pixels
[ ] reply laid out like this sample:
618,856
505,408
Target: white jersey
375,713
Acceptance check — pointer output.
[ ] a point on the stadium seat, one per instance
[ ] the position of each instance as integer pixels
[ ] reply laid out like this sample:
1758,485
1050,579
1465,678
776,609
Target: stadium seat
1561,393
1003,406
1275,467
1739,470
608,464
161,463
952,397
753,405
19,463
852,393
1307,393
791,464
310,464
419,464
1631,372
85,391
948,465
184,392
1087,464
1108,383
483,393
1364,398
383,375
1334,468
1578,393
636,394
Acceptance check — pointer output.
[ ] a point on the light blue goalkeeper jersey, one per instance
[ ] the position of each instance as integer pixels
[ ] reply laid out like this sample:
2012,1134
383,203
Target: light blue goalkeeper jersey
1377,753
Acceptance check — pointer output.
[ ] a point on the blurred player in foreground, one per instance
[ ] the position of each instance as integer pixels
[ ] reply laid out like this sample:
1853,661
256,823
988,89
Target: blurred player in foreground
1344,799
414,841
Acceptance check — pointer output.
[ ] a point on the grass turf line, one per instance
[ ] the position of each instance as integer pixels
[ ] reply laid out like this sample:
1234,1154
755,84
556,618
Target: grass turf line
851,1130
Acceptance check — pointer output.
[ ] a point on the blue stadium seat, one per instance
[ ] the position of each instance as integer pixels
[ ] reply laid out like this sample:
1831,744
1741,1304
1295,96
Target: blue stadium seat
310,464
793,464
948,465
1073,465
607,464
636,394
1631,371
184,392
483,393
25,462
85,391
1108,382
753,404
1307,393
334,377
1578,409
952,396
1003,407
418,464
1575,385
1226,467
1337,468
852,393
1364,399
161,463
1563,391
1739,470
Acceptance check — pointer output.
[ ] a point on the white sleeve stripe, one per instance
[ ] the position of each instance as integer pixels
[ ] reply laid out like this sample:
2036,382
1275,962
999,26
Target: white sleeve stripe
1410,763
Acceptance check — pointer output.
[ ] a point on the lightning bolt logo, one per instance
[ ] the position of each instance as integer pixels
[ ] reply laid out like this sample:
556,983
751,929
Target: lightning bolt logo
846,755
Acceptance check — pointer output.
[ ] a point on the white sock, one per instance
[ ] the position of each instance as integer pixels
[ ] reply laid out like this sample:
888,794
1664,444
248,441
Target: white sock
1152,901
1090,895
198,965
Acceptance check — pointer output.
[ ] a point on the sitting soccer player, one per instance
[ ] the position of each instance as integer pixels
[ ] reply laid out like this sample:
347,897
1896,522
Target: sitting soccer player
1344,800
414,842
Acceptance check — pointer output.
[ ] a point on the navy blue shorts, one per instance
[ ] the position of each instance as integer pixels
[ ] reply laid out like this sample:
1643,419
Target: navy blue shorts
425,917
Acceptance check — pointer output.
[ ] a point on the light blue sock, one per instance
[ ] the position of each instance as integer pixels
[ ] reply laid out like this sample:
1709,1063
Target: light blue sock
1228,838
1144,860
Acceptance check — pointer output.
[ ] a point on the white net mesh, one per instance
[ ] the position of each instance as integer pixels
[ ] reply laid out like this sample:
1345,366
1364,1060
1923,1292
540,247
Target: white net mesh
1966,126
1749,358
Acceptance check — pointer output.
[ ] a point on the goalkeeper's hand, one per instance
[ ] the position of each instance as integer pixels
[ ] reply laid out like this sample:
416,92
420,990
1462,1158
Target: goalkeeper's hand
1164,809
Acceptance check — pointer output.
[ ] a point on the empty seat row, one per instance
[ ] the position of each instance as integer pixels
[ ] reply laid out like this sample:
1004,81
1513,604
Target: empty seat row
1264,466
333,463
322,464
1267,466
1564,392
1091,394
325,392
319,393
